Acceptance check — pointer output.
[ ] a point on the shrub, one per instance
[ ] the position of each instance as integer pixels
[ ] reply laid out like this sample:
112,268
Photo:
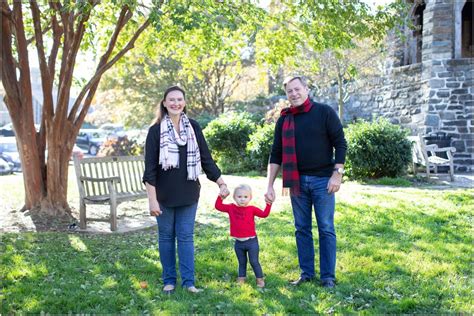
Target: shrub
260,145
377,149
120,146
227,137
204,118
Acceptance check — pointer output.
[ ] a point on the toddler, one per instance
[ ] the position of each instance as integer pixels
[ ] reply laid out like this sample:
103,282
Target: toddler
242,228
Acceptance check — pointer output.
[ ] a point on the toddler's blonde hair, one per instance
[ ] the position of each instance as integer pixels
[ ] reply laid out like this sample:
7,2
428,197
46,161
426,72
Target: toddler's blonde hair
244,187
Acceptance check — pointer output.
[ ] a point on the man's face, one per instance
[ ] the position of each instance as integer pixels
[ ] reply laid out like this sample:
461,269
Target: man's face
296,92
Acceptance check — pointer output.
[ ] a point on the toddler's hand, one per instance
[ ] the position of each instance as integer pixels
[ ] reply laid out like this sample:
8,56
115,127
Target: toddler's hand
223,192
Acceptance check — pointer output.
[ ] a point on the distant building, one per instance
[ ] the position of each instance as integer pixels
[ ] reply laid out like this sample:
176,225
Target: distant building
428,83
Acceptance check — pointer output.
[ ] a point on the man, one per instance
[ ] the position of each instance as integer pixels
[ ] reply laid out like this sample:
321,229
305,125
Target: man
309,144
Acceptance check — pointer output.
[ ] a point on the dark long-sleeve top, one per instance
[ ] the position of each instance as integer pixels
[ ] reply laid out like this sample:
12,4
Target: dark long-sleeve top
242,218
319,138
173,189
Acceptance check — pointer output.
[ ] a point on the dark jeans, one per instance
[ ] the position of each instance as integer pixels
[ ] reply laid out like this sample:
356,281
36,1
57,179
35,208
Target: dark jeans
250,247
313,192
177,224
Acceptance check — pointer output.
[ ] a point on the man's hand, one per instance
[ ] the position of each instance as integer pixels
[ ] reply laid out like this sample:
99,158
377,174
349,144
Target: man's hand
155,209
270,195
334,183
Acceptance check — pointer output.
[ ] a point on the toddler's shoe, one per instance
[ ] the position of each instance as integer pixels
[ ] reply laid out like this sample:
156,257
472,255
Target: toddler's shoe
193,289
240,280
260,283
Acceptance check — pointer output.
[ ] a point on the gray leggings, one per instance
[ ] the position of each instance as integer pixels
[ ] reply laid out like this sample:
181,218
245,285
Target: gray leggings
251,247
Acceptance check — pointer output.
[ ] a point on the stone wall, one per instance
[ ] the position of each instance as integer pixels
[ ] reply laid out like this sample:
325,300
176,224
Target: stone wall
435,95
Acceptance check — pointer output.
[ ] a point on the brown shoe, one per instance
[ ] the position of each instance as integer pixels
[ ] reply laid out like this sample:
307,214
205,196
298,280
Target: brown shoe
241,280
260,283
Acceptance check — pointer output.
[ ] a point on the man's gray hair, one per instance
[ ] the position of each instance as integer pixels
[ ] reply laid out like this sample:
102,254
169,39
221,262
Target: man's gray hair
302,79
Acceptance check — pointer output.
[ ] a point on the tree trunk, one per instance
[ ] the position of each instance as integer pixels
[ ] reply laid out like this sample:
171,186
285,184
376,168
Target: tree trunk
45,184
340,96
30,164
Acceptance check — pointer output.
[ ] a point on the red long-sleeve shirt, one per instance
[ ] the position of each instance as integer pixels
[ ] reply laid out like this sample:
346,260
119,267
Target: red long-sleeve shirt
242,221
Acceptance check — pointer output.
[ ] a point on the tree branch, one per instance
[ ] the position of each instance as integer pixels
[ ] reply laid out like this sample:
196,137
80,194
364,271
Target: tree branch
124,17
67,74
46,76
92,85
8,69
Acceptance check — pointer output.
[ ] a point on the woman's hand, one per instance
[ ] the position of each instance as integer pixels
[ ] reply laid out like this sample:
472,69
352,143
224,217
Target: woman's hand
155,208
223,191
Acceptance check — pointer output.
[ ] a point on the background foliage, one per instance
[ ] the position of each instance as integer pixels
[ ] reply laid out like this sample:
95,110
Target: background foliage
377,149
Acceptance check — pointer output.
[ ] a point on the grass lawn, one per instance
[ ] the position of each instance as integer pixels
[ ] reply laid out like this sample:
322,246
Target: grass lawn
400,250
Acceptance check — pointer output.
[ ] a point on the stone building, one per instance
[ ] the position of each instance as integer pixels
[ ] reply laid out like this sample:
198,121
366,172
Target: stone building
428,82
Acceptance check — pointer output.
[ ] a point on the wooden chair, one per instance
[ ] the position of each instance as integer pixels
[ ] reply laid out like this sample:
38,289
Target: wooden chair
431,161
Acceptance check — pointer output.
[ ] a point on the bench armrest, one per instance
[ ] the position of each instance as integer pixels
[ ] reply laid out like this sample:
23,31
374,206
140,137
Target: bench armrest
112,179
445,149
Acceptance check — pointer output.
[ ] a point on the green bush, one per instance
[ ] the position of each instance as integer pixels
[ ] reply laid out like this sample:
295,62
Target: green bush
377,149
227,137
204,118
260,145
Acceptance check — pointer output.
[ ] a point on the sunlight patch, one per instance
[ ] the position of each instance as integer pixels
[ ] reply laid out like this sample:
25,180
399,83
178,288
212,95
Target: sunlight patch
77,244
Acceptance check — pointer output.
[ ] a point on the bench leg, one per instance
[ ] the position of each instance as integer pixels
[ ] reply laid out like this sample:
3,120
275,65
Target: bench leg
427,171
113,215
82,215
451,170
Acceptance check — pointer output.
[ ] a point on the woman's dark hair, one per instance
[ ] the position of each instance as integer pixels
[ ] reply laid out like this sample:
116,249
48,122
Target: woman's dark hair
161,111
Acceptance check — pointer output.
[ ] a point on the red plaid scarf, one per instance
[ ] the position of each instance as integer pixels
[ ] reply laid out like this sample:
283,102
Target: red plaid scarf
291,176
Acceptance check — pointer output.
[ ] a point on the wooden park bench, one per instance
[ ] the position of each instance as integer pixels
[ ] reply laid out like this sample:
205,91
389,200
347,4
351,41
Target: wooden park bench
109,180
425,155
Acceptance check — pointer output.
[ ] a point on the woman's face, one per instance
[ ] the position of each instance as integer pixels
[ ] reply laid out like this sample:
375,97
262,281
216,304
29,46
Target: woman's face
174,103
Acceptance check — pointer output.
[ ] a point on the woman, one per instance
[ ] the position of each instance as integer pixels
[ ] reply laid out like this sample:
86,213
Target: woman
175,152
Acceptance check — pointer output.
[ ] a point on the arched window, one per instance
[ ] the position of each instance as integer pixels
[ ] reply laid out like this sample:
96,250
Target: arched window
467,34
414,44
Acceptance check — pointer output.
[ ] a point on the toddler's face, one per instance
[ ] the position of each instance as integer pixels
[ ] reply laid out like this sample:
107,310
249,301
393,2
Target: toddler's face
242,197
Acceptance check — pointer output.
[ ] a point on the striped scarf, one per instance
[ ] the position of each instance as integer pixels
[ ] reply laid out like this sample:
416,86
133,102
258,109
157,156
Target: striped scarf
291,176
170,140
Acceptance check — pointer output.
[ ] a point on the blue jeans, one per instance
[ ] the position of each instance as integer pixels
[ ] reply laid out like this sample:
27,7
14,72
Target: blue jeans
177,223
313,192
251,247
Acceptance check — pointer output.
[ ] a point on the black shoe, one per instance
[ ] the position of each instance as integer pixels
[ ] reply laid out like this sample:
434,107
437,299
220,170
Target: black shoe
330,284
301,280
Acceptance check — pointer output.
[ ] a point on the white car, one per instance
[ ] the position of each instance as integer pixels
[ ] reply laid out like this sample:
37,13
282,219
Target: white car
5,167
9,152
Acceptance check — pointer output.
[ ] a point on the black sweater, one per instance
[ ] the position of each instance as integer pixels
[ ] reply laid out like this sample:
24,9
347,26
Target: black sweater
173,189
320,141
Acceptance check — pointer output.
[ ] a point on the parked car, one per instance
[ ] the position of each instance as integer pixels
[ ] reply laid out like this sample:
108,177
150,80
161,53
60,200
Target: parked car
9,152
5,167
90,140
112,129
77,152
7,130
